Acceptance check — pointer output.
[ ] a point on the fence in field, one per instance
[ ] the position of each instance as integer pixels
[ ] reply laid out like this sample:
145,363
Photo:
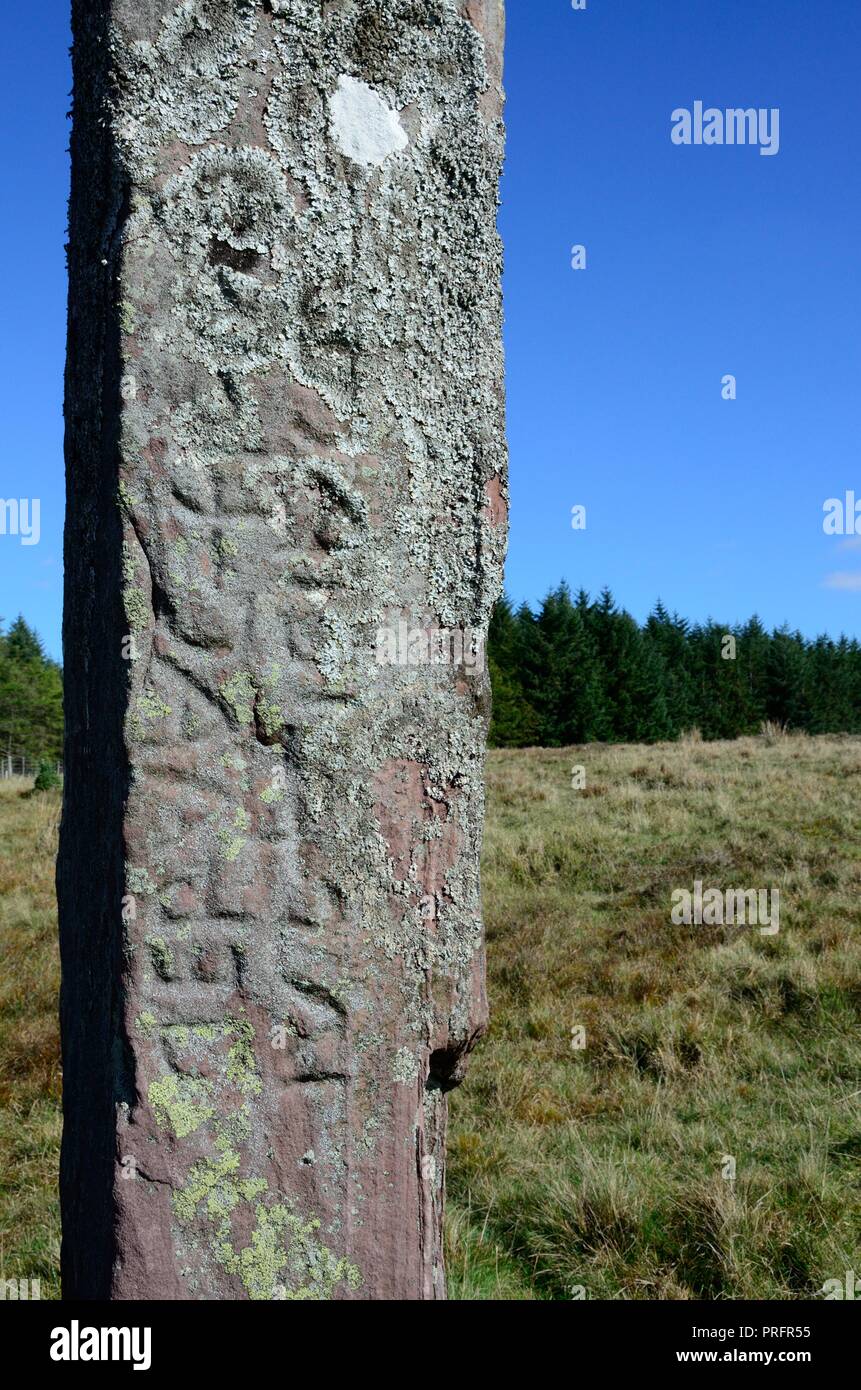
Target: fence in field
12,765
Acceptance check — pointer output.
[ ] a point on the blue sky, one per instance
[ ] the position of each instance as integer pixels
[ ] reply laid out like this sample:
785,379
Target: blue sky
701,262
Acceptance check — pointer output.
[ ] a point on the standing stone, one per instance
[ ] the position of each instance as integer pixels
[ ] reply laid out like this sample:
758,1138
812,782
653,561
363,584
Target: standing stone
286,527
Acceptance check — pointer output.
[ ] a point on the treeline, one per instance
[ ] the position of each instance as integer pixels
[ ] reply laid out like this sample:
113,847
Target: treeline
31,697
578,671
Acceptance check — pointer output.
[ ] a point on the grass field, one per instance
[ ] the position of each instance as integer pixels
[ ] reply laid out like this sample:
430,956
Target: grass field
29,1037
597,1171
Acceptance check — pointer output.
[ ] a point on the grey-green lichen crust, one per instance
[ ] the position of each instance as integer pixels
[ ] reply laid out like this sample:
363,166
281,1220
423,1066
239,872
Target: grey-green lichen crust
311,447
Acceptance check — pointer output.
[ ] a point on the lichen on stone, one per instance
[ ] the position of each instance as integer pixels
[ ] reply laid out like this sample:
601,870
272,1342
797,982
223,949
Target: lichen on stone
182,1103
307,266
162,957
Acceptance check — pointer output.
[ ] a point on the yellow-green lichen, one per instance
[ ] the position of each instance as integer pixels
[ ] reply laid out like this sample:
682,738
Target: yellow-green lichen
139,881
135,601
190,724
231,845
136,607
162,957
241,1064
233,1129
233,837
270,717
285,1260
151,707
245,698
126,501
128,319
240,692
273,793
181,1103
211,1181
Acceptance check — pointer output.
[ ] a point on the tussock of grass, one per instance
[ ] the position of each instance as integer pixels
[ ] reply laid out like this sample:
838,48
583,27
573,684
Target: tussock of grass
602,1168
29,1037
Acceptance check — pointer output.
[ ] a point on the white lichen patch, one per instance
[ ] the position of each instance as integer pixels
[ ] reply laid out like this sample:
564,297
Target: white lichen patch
186,84
364,127
406,1068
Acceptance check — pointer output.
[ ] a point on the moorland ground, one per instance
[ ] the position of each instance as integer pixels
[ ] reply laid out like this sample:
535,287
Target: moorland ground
602,1170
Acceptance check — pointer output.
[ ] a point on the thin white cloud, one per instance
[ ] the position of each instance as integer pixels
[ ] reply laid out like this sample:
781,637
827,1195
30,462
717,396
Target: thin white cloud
844,579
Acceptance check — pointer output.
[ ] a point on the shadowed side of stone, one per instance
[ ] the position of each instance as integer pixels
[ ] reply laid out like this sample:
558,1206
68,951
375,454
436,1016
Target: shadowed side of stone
287,511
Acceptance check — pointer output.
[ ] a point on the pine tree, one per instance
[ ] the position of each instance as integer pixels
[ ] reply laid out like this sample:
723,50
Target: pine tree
23,644
787,697
669,636
515,724
571,693
31,697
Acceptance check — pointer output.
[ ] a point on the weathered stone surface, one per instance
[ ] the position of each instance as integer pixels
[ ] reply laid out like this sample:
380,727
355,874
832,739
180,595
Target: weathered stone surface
284,433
